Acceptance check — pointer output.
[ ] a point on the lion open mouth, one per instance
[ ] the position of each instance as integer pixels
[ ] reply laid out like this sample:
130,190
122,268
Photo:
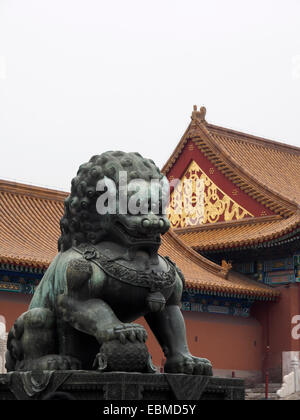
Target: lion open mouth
133,237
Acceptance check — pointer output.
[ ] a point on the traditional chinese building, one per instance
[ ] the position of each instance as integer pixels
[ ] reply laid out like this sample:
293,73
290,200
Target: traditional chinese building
248,217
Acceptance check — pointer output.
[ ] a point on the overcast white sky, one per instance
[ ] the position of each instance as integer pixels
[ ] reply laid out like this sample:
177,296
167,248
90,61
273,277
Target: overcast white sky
79,77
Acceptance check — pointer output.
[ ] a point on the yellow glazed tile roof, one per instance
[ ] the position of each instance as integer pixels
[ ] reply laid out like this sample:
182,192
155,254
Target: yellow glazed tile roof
275,165
238,234
208,277
29,224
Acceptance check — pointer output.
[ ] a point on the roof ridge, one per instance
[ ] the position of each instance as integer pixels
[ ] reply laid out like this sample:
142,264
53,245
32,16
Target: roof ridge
254,183
228,238
251,138
227,281
229,224
32,190
199,259
176,151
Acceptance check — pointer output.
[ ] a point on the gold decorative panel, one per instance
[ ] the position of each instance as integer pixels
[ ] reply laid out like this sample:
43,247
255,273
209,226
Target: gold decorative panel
197,200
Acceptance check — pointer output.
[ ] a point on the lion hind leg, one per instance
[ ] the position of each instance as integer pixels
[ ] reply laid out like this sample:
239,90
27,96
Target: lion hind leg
39,337
31,337
32,343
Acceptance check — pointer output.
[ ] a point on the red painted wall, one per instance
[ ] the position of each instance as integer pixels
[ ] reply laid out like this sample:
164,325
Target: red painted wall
231,343
276,319
13,305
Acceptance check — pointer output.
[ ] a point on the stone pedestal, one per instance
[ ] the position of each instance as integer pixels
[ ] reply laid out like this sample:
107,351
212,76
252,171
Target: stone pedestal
90,385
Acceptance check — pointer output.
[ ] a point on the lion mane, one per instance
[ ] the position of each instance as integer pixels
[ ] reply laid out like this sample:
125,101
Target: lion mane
81,222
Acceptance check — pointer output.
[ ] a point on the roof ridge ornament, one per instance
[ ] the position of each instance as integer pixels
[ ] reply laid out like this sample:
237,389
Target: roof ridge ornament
225,268
199,115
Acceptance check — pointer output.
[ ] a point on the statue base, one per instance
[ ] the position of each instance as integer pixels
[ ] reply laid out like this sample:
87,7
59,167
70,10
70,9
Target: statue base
93,385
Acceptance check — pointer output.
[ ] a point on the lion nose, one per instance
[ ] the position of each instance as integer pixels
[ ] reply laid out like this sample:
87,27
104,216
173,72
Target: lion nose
153,225
146,223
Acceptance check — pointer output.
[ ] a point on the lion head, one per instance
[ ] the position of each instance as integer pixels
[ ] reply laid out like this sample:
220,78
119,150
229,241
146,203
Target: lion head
95,211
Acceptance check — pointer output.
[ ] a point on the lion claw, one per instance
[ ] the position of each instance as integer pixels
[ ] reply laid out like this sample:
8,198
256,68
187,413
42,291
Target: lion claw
185,363
130,332
122,338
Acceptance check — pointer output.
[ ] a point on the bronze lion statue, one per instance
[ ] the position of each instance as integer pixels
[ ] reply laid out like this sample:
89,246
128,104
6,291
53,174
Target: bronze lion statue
107,274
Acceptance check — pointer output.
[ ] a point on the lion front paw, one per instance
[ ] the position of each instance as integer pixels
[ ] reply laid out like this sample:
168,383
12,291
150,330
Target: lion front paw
131,332
202,366
188,364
